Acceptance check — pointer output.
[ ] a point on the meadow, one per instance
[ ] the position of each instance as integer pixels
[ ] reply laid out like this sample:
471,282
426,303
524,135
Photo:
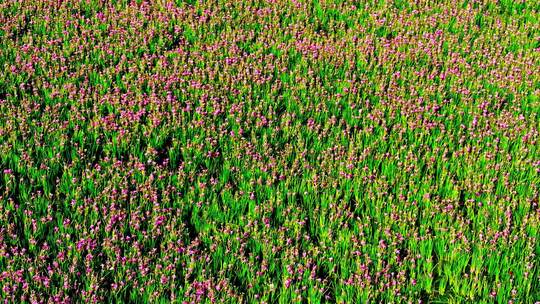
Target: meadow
303,151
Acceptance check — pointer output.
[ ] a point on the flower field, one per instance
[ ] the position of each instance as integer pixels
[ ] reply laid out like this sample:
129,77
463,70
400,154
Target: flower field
308,151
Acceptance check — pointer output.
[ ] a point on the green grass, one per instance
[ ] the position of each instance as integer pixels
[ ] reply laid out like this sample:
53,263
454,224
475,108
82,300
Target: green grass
269,152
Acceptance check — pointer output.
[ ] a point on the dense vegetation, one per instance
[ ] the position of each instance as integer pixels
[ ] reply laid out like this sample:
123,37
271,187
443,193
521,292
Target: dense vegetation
270,151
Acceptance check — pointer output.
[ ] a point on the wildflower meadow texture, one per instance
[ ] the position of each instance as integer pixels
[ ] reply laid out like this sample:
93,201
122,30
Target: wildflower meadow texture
308,151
